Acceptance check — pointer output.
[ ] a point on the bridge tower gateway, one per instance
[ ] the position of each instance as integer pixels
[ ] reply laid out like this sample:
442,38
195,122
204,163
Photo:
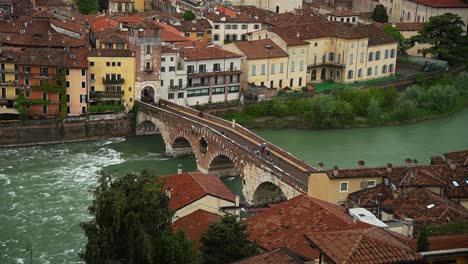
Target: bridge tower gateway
145,39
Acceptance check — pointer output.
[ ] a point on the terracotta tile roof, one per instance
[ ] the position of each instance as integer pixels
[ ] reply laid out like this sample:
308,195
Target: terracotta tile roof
129,19
69,25
443,3
367,198
423,205
112,37
196,25
437,160
100,23
460,157
166,49
342,13
357,173
240,18
10,54
333,29
281,255
254,11
372,245
458,176
285,224
170,33
145,24
189,187
445,242
195,224
301,17
208,53
260,49
77,58
409,26
110,53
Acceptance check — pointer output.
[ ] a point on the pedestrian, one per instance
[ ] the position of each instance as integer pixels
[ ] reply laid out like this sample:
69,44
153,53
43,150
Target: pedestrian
200,114
159,103
263,146
268,155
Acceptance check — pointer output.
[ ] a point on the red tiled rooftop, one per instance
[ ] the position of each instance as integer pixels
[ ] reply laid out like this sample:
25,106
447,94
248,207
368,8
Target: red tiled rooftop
367,197
446,242
282,255
372,245
443,3
209,53
260,49
285,224
195,224
460,157
100,23
189,187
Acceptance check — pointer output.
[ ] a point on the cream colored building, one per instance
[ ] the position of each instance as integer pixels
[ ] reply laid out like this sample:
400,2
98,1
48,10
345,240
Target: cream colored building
277,6
339,52
189,192
266,64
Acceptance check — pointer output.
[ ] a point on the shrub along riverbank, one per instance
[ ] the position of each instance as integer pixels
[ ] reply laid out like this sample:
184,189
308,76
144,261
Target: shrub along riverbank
353,107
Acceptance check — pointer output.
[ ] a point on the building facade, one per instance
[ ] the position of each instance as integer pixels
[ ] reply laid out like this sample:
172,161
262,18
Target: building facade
228,29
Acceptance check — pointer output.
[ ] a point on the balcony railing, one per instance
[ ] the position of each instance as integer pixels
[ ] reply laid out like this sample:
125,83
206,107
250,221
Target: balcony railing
106,94
197,85
113,81
148,70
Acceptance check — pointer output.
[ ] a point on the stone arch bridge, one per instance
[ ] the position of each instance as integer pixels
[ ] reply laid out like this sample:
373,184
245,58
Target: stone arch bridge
224,148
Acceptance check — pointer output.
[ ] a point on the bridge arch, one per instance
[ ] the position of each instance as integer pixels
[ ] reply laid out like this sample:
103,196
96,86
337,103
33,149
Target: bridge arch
223,165
147,127
268,192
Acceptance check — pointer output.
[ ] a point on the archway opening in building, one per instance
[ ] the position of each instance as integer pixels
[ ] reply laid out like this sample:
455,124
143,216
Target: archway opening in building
314,75
147,94
266,193
323,74
277,9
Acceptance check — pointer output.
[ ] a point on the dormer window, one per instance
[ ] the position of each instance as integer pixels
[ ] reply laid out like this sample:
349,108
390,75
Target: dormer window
455,183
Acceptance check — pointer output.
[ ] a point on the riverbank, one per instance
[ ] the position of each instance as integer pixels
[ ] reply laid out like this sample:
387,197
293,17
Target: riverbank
354,108
45,132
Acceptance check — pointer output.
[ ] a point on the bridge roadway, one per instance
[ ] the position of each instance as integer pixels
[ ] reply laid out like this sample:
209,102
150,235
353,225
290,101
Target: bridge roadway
283,160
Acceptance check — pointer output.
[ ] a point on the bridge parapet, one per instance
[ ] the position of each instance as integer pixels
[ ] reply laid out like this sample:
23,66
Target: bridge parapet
253,169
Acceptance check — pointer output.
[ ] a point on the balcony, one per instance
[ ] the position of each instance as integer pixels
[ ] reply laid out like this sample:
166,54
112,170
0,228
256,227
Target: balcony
326,64
195,85
113,81
149,70
216,72
10,82
106,95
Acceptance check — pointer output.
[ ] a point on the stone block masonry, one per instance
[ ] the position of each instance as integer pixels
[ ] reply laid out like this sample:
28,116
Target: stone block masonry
47,131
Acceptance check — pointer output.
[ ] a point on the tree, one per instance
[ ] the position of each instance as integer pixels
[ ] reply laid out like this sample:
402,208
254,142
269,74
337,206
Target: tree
374,113
380,14
461,83
188,15
226,241
446,36
440,97
321,109
131,223
403,44
87,6
344,112
423,240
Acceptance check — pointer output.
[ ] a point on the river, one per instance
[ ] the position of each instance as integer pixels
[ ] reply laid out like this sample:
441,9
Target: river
44,190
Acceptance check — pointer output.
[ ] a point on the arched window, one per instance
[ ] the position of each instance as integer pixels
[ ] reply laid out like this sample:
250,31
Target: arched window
384,69
377,55
371,56
350,74
314,75
277,9
331,56
369,71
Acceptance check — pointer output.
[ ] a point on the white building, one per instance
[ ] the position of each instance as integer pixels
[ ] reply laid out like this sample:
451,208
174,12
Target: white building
213,75
173,76
277,6
231,28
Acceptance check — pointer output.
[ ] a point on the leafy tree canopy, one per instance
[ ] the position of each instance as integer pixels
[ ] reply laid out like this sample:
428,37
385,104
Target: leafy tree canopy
131,223
226,241
445,34
87,6
380,14
188,15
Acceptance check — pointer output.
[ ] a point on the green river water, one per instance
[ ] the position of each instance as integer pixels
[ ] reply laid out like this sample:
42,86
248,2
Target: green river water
44,189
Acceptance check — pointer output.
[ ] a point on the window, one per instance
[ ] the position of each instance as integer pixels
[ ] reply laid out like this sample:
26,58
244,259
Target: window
282,67
272,71
83,84
301,65
300,81
371,56
324,57
254,70
386,54
371,183
376,70
369,71
216,67
344,186
350,74
44,109
216,37
68,98
293,64
190,69
331,56
170,96
199,34
26,82
263,69
67,84
163,59
351,58
28,94
338,74
256,26
291,82
392,53
244,26
339,58
201,68
91,64
172,58
455,183
83,72
198,92
163,69
429,206
180,95
113,64
187,34
216,26
234,26
361,59
108,64
359,73
171,68
83,109
233,89
228,26
315,44
384,69
390,68
377,55
218,90
27,69
83,98
272,84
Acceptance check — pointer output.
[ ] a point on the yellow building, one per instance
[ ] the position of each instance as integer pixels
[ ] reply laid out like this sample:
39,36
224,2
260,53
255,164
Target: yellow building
338,51
111,79
9,81
199,29
264,63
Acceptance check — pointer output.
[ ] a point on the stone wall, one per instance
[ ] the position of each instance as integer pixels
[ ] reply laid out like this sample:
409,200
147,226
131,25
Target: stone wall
44,131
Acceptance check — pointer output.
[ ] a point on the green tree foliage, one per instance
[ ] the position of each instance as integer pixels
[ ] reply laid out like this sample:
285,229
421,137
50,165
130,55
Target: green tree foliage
403,44
321,110
131,223
440,97
405,110
423,240
226,241
374,113
189,15
87,6
461,83
450,228
343,112
445,34
380,14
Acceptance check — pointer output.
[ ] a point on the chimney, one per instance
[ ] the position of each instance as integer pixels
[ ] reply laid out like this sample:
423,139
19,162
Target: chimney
389,167
298,34
335,170
320,164
453,165
179,169
168,191
361,164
